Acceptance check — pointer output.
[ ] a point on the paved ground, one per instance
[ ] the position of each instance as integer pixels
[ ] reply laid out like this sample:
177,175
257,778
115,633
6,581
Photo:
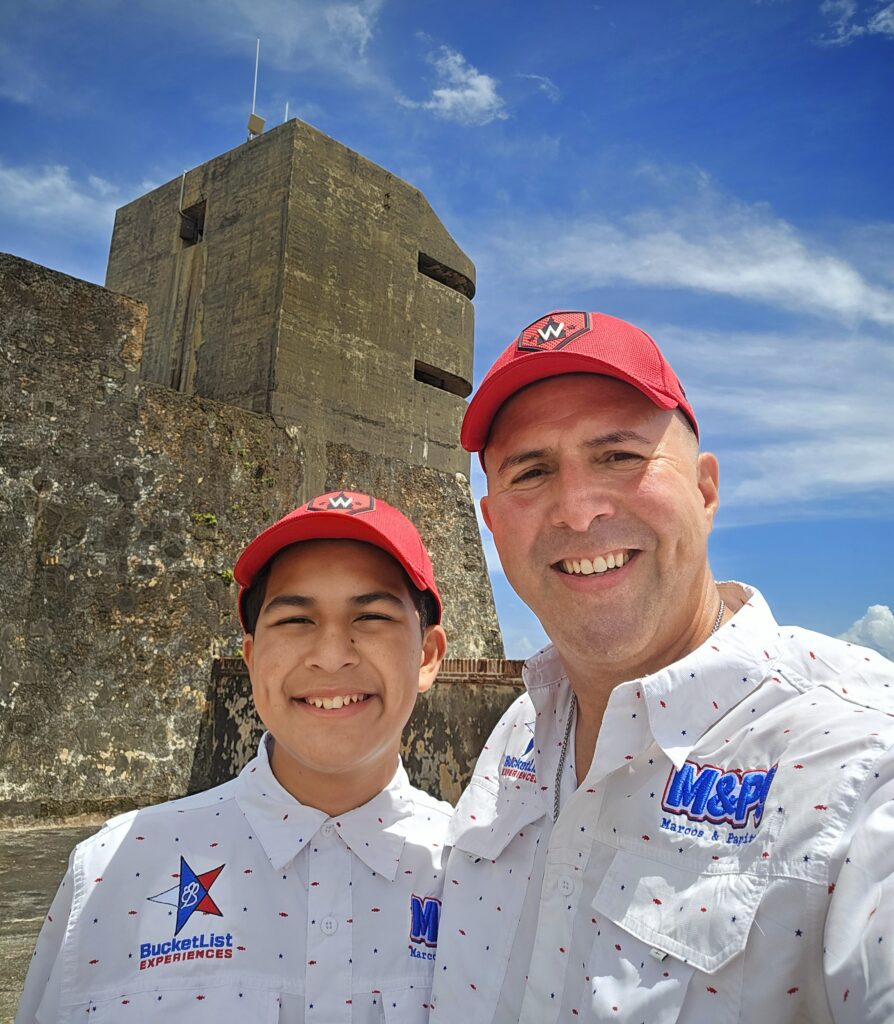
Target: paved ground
32,862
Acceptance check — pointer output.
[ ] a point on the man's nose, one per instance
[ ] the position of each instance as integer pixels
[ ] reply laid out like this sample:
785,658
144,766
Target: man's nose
332,650
581,496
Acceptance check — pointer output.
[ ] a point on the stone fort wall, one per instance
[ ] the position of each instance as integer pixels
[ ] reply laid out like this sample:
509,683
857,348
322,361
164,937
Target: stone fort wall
123,504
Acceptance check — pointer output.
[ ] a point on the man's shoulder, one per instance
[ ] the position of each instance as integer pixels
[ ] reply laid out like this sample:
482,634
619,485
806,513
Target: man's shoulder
857,674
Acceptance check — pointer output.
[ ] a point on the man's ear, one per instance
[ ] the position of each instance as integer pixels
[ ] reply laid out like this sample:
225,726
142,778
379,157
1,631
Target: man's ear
434,646
709,485
248,646
485,515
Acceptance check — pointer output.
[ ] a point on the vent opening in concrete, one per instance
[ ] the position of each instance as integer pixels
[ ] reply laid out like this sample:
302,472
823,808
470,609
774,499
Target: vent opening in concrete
192,224
445,275
441,379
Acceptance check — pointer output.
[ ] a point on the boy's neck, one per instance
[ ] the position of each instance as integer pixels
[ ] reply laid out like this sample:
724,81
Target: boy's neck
332,793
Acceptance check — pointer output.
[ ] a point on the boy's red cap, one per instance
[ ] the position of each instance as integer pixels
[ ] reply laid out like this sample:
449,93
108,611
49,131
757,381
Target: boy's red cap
342,515
573,342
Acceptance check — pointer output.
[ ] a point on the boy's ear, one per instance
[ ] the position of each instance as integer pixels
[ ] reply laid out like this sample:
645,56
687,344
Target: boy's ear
248,642
434,646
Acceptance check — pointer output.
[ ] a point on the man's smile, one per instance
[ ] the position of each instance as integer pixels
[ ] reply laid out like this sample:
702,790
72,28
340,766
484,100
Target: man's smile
597,564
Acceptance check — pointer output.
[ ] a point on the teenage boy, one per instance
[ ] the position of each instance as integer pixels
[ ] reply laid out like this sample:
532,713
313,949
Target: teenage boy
308,888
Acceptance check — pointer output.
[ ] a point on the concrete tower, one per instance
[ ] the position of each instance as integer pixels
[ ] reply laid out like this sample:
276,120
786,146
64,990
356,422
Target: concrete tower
293,277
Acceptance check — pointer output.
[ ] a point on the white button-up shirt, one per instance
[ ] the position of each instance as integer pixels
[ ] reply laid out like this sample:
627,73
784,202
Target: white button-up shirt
241,904
729,856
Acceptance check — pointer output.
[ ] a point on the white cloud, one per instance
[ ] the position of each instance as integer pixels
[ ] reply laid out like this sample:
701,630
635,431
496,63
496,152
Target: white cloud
328,38
546,85
50,198
464,94
711,244
847,22
875,629
20,81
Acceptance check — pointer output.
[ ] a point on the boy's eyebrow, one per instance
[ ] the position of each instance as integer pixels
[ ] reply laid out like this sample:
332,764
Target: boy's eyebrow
289,601
377,595
301,601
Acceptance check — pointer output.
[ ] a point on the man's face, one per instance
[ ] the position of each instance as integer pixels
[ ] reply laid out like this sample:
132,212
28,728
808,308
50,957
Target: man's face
338,627
583,473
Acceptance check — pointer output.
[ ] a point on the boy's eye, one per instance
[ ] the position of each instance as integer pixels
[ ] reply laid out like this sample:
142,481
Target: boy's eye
374,616
293,619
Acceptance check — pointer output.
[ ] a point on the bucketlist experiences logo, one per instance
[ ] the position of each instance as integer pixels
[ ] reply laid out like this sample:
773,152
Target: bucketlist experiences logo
523,767
190,895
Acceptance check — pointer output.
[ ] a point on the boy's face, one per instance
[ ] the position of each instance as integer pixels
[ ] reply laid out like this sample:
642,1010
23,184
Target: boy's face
338,627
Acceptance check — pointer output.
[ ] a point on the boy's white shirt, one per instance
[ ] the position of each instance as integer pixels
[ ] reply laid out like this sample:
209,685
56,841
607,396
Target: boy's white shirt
315,914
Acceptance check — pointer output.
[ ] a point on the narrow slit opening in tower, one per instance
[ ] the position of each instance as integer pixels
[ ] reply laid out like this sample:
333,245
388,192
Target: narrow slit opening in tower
192,224
441,379
445,275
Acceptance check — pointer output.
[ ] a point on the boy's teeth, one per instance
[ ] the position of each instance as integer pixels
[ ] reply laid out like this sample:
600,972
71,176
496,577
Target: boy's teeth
584,567
330,703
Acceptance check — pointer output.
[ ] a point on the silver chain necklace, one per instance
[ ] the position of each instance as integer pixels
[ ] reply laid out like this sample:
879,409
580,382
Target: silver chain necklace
572,710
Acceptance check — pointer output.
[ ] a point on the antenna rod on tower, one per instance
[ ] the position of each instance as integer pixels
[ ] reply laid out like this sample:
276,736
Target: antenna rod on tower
255,123
254,92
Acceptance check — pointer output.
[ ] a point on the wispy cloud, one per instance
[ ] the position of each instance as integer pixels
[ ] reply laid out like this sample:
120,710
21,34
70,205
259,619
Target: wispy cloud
329,38
848,21
546,85
463,94
710,244
48,198
875,629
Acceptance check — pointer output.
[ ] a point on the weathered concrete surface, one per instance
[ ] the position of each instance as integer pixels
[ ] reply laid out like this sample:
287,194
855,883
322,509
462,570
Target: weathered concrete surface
123,505
32,863
441,742
305,299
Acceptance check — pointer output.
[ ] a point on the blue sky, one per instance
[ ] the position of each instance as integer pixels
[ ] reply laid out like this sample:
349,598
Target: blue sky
718,173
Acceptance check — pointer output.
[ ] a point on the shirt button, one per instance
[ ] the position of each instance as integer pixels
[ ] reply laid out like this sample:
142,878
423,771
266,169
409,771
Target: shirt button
328,926
328,829
566,885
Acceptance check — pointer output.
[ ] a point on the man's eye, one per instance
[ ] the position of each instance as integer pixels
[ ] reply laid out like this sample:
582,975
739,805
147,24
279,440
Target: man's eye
623,456
529,474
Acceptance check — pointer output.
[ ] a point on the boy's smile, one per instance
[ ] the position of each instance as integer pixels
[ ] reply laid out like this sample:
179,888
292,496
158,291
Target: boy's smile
336,662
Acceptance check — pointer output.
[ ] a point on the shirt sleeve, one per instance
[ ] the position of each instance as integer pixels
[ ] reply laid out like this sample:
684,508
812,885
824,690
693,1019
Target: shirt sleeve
39,1003
859,939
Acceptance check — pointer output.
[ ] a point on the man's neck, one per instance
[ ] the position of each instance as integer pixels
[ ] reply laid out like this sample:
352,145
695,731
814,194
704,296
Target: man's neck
593,682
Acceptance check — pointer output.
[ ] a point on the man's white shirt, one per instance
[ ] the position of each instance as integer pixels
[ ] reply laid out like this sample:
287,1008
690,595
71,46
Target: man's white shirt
241,904
729,856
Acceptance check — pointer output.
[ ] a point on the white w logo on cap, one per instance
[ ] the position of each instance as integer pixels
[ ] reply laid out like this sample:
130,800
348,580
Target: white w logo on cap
341,501
553,330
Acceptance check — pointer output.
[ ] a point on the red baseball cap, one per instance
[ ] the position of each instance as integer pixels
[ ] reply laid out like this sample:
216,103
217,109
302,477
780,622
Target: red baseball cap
573,342
342,515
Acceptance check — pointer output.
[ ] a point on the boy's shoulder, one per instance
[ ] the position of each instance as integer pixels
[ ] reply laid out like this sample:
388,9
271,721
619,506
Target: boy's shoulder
183,812
428,806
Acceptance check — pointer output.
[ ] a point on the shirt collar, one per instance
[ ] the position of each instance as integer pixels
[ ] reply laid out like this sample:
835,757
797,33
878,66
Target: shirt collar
687,697
373,832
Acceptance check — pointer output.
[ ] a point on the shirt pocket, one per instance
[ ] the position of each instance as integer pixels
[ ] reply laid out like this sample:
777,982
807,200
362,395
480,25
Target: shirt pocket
213,1004
691,926
402,1004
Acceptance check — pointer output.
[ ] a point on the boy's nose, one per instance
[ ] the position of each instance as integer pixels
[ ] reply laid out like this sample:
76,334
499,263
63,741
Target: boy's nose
332,651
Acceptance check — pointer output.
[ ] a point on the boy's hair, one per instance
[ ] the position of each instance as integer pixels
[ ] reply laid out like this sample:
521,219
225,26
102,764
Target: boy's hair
253,598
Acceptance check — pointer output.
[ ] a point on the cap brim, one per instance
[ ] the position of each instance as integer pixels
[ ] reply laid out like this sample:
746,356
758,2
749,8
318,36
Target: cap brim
319,526
521,372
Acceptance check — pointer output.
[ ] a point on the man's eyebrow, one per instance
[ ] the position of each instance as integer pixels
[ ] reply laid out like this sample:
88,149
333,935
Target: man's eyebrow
520,457
615,437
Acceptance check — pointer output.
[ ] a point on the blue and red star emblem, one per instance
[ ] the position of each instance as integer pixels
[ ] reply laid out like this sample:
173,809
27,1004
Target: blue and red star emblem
191,894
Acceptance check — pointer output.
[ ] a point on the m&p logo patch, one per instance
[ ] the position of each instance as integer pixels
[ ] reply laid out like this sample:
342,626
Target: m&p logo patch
719,795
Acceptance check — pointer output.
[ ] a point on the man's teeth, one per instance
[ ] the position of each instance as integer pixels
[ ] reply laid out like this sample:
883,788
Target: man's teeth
601,563
336,702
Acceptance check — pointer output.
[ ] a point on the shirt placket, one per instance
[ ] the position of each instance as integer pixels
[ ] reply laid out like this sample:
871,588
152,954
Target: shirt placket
329,929
563,886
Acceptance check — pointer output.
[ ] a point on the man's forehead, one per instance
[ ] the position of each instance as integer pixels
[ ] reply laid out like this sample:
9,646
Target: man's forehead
549,399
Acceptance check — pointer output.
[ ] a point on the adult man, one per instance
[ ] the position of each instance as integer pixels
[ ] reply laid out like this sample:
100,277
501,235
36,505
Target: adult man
688,817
